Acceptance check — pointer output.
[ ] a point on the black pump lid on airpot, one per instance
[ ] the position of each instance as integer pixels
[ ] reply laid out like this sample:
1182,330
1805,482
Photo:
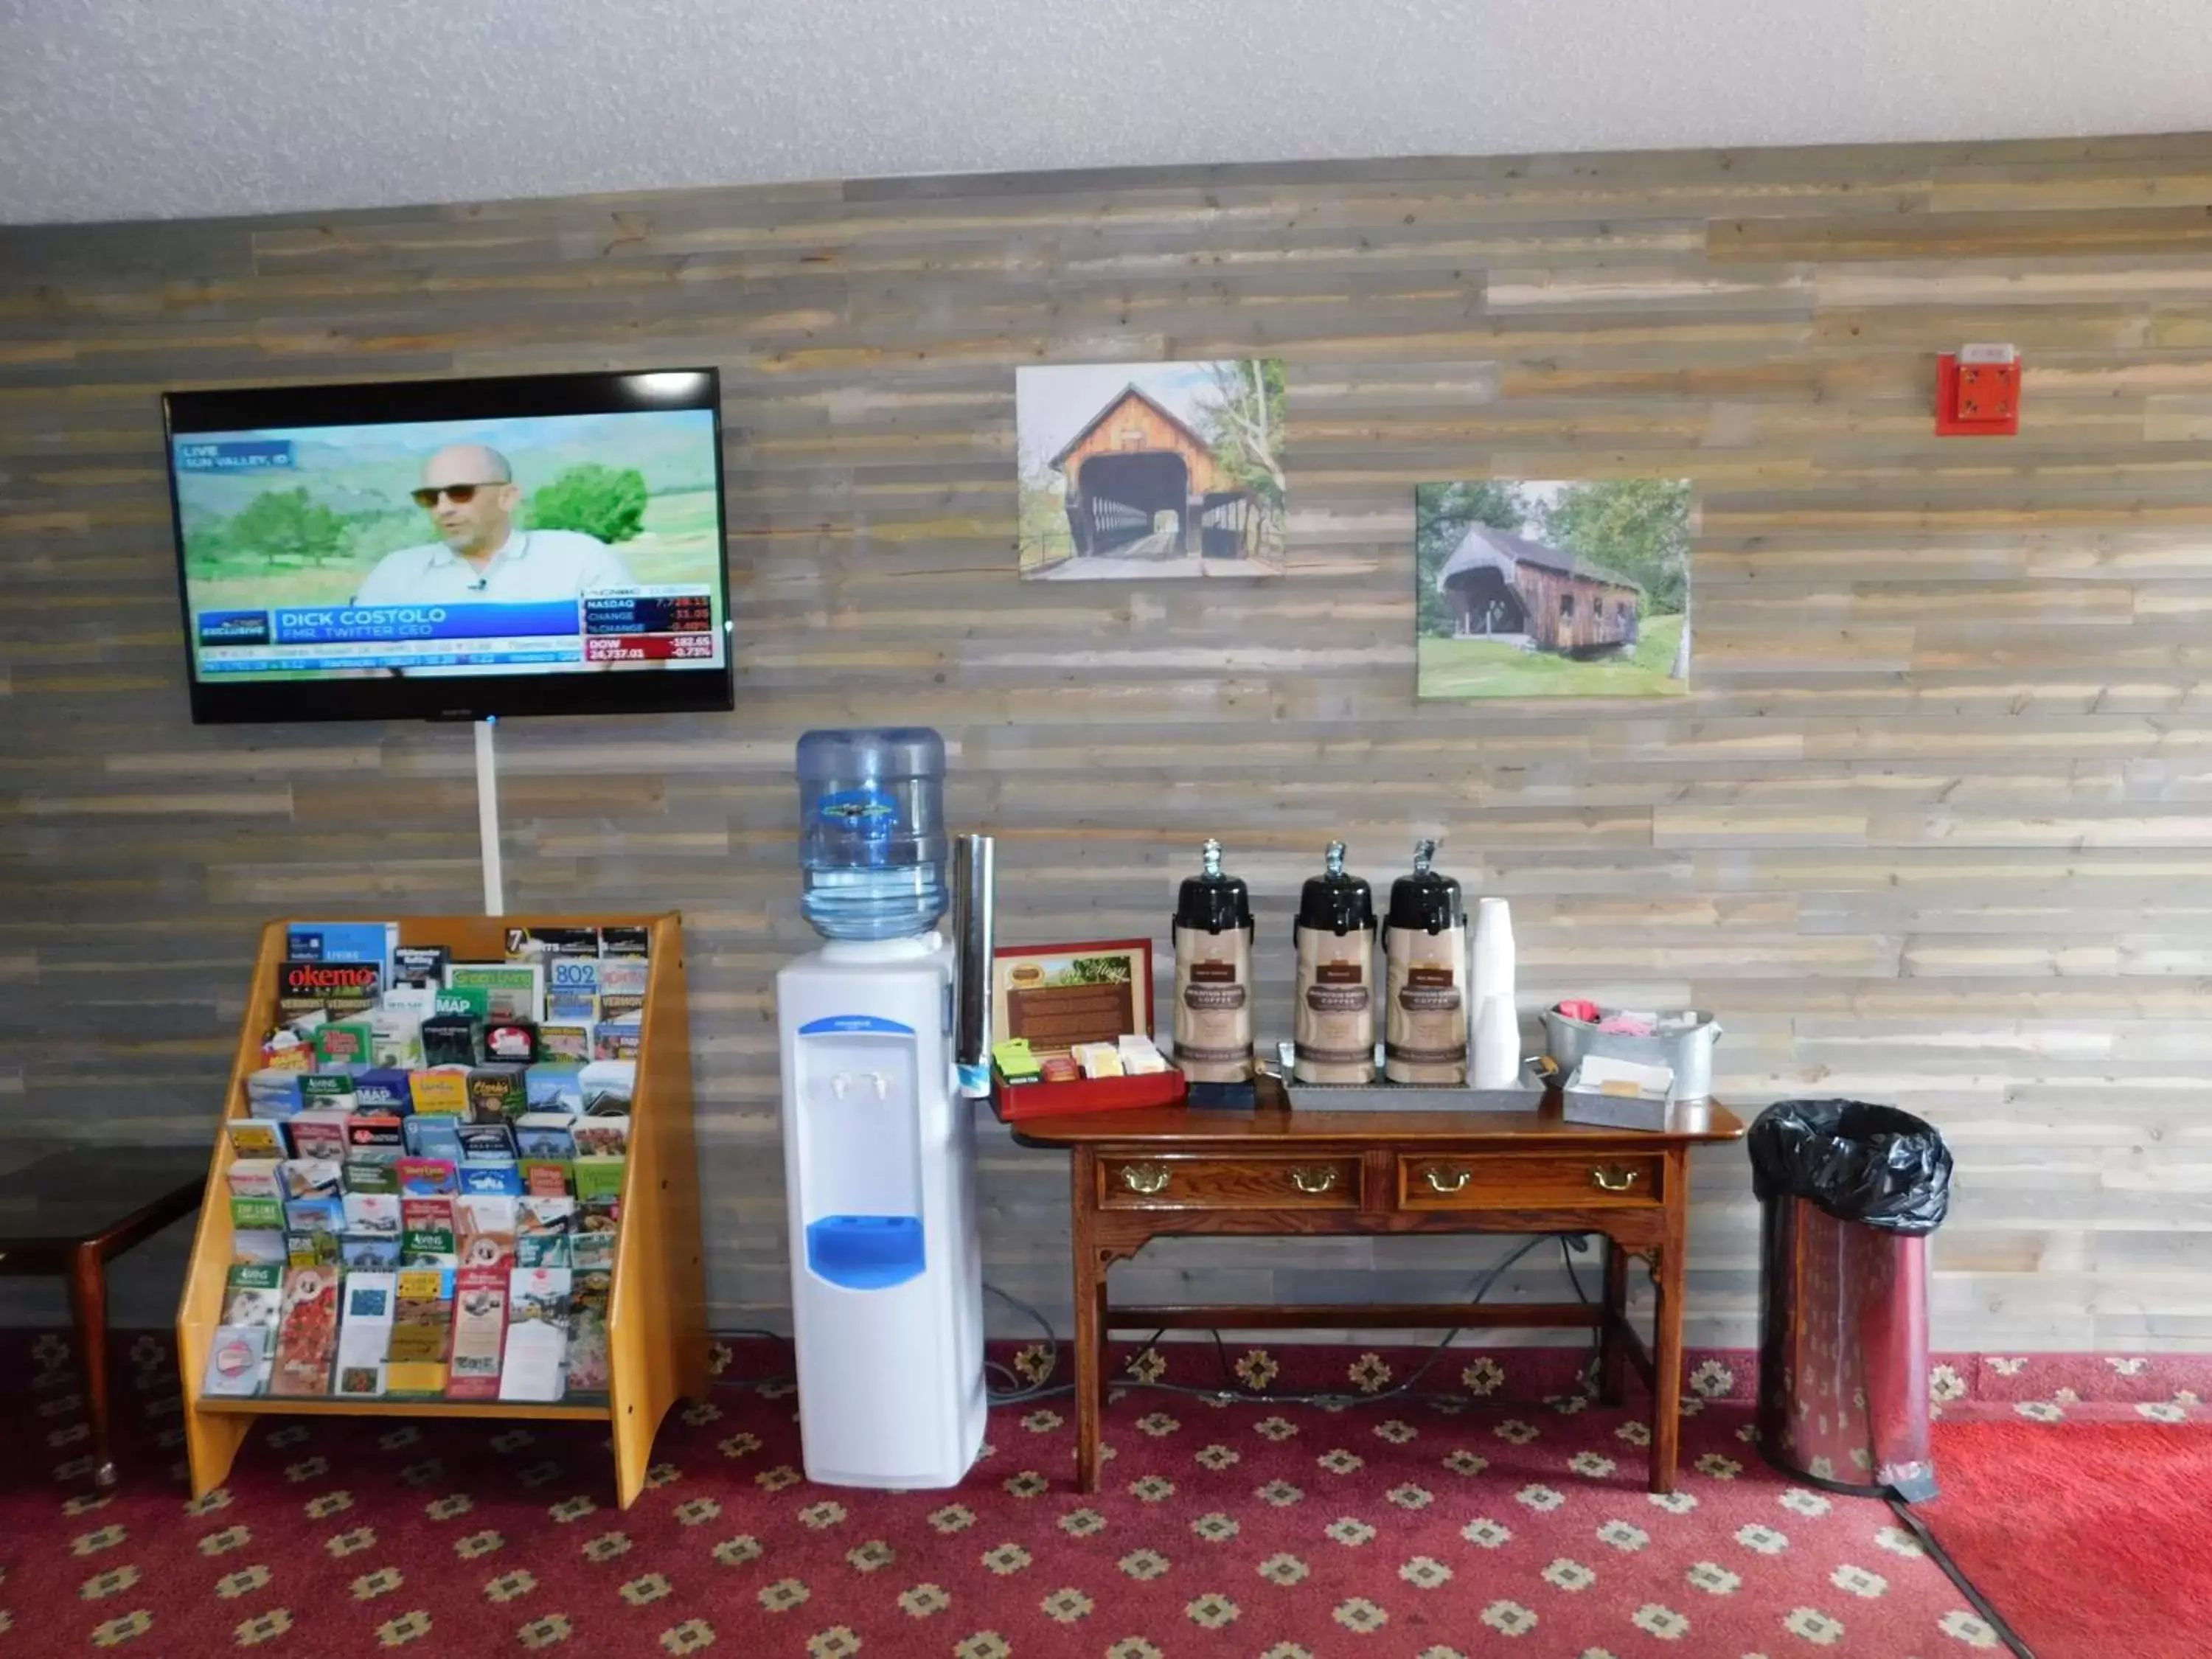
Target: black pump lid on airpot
1425,901
1211,902
1334,903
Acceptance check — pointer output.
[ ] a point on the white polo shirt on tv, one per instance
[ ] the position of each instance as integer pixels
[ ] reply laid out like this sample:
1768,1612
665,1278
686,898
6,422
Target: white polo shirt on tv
533,564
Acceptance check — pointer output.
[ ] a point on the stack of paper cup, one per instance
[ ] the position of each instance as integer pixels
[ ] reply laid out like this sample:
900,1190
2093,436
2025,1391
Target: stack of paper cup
1497,1023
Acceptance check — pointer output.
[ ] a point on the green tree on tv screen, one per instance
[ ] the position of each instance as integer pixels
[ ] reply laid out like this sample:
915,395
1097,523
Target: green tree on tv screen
288,524
600,500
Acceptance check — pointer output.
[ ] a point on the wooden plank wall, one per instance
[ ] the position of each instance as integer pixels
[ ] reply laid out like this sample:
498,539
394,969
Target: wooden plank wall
1932,828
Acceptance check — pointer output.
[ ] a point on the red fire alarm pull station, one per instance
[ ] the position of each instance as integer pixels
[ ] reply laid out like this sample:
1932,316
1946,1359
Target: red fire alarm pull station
1978,392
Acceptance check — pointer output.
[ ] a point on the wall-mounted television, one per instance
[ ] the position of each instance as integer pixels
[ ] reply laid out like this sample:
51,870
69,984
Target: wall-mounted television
540,544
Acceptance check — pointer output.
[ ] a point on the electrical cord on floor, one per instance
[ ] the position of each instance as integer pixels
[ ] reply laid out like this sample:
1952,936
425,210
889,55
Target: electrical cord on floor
1230,1389
1014,1391
1952,1571
1480,1287
1569,1243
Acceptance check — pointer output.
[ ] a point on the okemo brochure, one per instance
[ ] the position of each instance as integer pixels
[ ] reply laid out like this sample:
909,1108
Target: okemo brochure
310,979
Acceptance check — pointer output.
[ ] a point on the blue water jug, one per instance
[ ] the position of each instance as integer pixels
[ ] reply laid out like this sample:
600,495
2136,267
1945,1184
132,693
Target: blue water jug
871,842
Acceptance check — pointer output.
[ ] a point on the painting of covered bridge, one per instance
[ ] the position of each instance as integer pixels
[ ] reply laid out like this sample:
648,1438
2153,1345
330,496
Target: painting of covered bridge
1553,588
1151,469
1501,587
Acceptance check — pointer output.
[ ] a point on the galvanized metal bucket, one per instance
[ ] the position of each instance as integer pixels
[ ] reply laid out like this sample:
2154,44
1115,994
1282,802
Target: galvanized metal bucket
1689,1051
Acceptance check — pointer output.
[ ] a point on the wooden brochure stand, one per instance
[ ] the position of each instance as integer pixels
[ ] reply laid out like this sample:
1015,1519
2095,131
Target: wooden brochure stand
657,1310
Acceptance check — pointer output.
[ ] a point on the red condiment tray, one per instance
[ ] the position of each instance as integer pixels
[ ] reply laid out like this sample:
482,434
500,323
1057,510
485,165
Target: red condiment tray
1015,1102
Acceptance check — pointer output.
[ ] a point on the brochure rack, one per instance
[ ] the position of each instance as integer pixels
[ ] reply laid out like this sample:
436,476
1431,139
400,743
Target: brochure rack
657,1312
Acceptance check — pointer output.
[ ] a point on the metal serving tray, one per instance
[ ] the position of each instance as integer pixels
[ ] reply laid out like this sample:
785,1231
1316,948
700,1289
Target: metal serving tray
1383,1096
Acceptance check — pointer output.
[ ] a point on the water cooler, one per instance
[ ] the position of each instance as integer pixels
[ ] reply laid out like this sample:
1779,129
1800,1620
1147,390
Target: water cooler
886,1274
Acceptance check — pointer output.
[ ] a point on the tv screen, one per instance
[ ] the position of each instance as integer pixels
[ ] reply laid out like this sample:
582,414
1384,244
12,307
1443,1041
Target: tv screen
547,544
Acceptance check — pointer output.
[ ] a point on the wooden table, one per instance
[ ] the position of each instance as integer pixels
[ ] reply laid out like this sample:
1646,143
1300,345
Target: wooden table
1139,1176
68,1213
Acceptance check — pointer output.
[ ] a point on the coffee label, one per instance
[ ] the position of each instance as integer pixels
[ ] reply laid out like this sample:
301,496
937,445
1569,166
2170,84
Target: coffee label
1335,1024
1425,1039
1212,986
1428,999
1213,1005
1336,999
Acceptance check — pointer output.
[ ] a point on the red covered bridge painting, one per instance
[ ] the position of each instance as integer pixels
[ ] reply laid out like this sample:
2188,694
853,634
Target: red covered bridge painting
1561,588
1499,585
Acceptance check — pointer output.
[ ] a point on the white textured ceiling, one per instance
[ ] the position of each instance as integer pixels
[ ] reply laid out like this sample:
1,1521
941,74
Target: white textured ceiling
115,109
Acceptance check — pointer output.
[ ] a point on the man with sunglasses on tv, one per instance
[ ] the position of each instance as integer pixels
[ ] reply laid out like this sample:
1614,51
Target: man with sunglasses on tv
469,493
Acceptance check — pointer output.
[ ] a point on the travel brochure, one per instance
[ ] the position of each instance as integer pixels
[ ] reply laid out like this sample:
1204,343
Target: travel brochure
426,1183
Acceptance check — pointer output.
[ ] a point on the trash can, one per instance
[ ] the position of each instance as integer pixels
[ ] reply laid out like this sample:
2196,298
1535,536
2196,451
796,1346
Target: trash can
1848,1194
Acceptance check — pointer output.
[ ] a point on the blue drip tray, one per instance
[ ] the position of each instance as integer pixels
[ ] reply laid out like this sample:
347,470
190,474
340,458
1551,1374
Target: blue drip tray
865,1252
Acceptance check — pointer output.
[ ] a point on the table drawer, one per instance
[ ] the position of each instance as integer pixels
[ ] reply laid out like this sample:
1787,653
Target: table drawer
1507,1180
1228,1183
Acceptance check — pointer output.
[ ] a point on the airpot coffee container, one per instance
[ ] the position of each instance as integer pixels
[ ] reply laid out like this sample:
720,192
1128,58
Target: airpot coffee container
1424,943
1335,935
1213,975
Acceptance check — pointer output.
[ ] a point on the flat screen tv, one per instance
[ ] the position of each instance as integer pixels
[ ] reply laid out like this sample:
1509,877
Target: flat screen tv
543,545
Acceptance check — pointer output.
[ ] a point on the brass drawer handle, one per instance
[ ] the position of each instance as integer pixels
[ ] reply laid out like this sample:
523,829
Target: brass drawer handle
1314,1181
1146,1178
1612,1177
1439,1183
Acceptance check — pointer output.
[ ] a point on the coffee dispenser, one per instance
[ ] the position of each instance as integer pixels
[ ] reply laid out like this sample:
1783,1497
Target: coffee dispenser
1213,975
1425,1003
1335,935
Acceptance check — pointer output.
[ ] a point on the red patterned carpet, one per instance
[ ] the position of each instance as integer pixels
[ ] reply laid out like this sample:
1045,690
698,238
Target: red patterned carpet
1399,1528
2089,1541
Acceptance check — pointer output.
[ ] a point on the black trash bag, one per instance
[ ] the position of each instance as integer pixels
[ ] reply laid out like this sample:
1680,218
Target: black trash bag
1872,1164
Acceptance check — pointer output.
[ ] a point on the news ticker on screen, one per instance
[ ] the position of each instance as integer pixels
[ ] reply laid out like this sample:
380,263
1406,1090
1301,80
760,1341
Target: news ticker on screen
615,625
